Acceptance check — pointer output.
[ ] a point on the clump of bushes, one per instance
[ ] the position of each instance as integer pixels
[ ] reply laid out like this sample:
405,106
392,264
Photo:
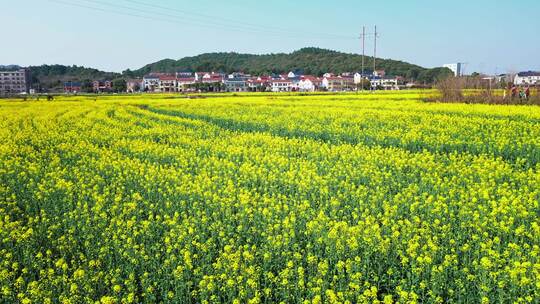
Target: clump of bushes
478,90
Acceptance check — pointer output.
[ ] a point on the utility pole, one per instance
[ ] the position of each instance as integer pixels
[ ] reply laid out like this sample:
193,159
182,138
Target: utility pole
375,51
363,54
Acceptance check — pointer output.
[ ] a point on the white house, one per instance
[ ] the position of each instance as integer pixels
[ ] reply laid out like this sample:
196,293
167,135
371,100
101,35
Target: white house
358,78
206,76
199,75
527,78
309,84
282,85
292,75
167,83
236,82
387,83
150,83
183,83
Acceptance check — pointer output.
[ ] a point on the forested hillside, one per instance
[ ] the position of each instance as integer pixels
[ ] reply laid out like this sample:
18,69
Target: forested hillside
310,60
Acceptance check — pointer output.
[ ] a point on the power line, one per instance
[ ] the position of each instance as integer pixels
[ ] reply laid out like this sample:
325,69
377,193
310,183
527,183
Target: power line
208,24
142,13
211,17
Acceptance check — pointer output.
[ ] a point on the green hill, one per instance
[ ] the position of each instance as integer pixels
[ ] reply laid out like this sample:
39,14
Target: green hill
53,76
310,60
314,61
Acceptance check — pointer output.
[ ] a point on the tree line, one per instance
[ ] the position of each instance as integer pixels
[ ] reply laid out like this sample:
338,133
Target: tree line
314,61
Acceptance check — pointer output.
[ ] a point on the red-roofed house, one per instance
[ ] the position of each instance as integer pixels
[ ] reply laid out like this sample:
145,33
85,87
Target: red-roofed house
183,84
259,84
167,83
102,86
212,77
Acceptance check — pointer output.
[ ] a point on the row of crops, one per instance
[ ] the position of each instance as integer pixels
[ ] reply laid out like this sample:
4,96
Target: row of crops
268,199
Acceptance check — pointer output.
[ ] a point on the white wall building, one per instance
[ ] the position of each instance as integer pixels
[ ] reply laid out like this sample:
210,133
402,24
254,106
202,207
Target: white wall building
235,84
338,84
358,78
150,83
386,83
527,78
456,68
309,84
183,83
281,85
167,84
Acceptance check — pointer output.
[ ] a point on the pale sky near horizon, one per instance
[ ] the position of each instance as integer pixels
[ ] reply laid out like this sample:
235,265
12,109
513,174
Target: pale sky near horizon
490,36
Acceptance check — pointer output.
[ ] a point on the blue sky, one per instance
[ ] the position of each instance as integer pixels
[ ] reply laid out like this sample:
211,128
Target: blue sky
491,36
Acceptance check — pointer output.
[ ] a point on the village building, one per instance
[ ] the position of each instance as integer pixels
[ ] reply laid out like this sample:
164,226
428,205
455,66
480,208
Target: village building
236,82
282,85
309,84
212,78
527,78
358,77
259,84
150,83
185,84
14,82
385,83
167,83
72,87
379,73
133,85
102,86
199,76
336,84
184,74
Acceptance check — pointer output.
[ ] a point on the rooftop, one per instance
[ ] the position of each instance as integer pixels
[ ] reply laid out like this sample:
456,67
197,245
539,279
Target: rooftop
528,74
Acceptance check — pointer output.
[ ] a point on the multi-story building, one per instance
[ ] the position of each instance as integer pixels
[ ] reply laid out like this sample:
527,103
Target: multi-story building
184,74
236,82
102,86
14,82
185,84
386,83
167,83
150,83
259,84
133,85
359,77
212,78
527,78
337,84
309,83
456,68
282,85
72,87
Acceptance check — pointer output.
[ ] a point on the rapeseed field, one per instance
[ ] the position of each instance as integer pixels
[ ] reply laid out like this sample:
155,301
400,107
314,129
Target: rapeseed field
254,198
